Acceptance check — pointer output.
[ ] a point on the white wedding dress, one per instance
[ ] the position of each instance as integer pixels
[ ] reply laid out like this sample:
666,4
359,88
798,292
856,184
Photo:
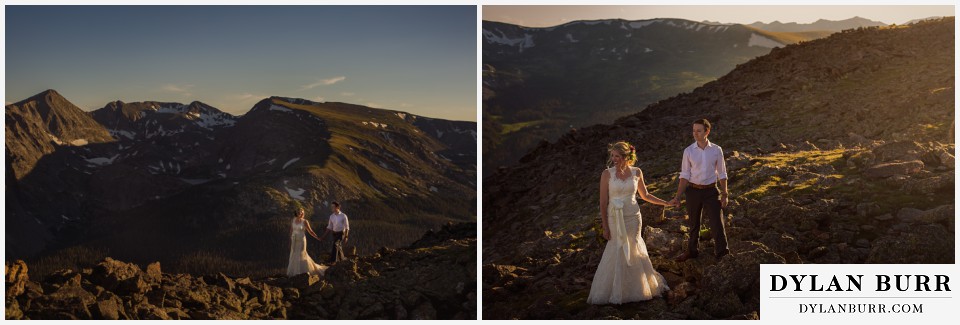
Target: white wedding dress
300,262
625,273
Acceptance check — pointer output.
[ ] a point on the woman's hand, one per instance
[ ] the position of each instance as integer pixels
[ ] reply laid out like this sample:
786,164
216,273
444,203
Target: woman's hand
606,234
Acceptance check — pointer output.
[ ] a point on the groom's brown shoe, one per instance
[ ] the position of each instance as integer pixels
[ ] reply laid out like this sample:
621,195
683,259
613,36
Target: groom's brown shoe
685,256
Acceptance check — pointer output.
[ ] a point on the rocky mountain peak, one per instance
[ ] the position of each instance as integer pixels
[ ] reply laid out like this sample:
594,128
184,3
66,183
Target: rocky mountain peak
49,96
114,105
41,123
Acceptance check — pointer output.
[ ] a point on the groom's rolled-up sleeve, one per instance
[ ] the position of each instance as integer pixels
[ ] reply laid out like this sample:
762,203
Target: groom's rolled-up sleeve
721,165
685,166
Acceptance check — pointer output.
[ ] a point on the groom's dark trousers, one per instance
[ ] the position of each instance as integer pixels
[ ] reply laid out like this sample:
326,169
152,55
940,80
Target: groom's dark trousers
336,254
707,200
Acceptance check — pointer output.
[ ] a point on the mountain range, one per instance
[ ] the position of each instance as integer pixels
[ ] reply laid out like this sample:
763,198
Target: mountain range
539,83
819,25
200,189
838,150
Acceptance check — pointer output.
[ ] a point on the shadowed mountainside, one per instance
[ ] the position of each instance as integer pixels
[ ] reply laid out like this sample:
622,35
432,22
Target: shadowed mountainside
538,83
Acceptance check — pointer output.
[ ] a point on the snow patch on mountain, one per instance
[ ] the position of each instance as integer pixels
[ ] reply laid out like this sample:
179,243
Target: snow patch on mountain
54,138
295,193
375,124
280,108
172,109
209,121
760,41
492,37
642,24
290,162
102,161
124,133
473,133
524,43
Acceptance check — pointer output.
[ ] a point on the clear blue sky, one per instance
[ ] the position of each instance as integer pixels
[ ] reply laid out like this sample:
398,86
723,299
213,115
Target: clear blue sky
417,59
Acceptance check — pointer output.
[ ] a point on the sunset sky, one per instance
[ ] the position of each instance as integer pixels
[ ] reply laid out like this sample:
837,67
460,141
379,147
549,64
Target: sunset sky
421,60
544,16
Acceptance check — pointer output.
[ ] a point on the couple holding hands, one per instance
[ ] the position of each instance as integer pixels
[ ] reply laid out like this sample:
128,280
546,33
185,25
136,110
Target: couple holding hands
300,262
625,273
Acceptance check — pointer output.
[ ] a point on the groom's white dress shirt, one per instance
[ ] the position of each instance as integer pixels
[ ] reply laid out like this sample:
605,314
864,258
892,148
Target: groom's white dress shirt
703,166
338,222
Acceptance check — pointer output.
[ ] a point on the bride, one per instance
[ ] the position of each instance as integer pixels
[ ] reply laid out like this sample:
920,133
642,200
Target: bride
300,262
625,273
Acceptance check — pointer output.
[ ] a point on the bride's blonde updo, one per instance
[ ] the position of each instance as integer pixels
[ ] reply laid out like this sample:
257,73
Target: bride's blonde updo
625,149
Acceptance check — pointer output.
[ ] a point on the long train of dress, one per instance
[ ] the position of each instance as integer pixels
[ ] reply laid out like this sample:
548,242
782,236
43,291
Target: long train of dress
300,262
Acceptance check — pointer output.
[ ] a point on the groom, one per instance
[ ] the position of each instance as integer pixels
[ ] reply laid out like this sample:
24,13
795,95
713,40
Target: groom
339,225
701,170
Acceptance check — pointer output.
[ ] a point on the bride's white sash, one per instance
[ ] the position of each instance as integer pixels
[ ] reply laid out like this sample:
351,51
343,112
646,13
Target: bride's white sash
619,237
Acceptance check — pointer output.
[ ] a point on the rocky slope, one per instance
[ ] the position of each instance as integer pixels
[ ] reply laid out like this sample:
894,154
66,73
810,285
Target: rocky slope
432,279
540,82
839,150
198,188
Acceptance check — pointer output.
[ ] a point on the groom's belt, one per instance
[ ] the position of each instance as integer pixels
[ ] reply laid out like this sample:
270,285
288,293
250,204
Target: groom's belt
698,186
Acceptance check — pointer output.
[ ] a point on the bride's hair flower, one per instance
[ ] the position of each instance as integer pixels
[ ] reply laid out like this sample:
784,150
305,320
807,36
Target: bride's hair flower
628,151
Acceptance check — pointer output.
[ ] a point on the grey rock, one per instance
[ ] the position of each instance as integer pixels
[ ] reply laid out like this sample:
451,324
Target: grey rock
894,168
908,214
936,215
884,217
